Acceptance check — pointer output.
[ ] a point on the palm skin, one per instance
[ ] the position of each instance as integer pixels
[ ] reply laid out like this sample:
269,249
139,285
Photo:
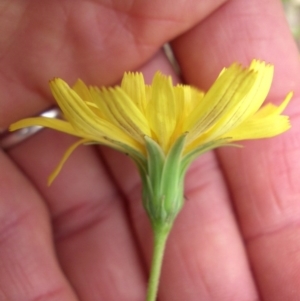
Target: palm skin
87,237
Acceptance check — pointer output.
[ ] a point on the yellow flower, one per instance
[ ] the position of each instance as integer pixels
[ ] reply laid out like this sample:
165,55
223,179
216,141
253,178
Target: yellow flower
121,117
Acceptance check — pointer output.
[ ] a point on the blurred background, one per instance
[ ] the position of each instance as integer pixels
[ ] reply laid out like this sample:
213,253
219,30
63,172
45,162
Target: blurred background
292,11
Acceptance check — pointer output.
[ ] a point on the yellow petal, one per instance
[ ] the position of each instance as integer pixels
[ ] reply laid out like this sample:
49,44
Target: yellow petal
182,97
261,88
148,90
162,110
66,155
103,110
259,128
271,109
55,124
133,85
249,95
121,111
253,99
186,99
221,100
83,91
267,122
82,118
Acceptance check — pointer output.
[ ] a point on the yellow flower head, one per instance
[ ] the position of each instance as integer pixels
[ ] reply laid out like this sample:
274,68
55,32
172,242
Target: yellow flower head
128,116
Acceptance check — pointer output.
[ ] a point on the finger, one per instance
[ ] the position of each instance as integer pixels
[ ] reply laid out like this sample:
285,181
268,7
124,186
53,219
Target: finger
240,31
93,40
92,236
264,178
263,175
205,257
28,268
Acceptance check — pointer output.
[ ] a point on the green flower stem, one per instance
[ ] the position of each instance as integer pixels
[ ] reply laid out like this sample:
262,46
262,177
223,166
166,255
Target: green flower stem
161,234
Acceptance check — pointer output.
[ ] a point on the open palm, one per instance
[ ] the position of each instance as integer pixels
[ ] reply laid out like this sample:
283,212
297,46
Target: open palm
87,237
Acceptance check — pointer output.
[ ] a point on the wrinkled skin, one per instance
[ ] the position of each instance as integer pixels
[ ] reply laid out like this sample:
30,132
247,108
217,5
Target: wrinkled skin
87,237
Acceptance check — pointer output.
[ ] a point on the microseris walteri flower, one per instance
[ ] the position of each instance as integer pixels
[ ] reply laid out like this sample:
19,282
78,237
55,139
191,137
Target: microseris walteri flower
163,128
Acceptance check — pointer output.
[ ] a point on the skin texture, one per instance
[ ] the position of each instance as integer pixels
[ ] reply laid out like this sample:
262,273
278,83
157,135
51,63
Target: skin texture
87,237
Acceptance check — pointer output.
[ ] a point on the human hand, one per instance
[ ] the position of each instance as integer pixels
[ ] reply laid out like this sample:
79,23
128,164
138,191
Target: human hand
87,237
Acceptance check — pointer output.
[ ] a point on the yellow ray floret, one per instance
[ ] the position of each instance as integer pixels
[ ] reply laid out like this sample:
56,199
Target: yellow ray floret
121,117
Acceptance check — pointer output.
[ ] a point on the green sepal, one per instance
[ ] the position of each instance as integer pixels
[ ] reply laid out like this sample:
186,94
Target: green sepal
163,182
155,161
172,175
152,178
139,159
191,156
